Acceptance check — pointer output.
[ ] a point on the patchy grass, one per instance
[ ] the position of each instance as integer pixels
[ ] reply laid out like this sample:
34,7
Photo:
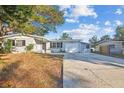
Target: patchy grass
113,55
30,70
118,55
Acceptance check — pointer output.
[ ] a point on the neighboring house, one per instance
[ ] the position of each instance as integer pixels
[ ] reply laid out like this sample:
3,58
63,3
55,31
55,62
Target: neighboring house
43,45
110,47
70,46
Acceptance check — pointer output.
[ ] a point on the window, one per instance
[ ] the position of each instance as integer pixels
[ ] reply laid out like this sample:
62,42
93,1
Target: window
13,42
56,45
112,46
123,44
23,42
50,45
59,45
20,43
87,46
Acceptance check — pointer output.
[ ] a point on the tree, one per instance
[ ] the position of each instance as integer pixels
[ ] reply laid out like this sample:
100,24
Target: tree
23,19
119,33
65,36
105,37
93,41
20,18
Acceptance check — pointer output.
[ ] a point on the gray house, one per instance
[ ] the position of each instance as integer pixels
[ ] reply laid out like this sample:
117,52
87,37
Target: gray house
44,45
110,47
71,46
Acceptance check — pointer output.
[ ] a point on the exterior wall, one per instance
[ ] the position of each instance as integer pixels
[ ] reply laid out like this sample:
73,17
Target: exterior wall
67,47
105,50
48,47
83,48
55,50
118,49
28,40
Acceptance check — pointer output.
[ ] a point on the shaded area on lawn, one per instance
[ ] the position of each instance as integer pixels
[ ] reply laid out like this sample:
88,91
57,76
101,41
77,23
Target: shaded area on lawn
31,70
6,73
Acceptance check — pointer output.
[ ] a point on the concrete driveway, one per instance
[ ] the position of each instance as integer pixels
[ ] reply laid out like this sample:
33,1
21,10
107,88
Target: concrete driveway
92,70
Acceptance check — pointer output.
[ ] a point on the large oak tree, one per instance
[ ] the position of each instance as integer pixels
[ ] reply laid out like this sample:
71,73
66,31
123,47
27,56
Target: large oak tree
20,18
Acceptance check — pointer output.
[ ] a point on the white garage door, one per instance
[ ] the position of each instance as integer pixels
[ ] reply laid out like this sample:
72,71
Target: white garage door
71,47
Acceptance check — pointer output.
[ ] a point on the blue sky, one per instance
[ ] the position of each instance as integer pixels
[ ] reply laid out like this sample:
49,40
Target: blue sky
82,22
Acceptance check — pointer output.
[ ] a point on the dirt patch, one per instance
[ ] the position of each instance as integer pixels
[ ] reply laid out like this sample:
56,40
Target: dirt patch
31,70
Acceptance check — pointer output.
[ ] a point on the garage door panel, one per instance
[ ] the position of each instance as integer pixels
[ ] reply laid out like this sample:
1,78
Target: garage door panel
71,47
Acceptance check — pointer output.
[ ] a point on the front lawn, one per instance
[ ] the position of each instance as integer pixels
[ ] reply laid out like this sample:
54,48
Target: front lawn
30,70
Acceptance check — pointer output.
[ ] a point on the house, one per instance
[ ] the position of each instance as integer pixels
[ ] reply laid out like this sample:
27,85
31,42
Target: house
19,42
110,47
43,45
71,46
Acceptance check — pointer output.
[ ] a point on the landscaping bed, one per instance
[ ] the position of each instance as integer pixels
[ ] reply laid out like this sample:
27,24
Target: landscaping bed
30,70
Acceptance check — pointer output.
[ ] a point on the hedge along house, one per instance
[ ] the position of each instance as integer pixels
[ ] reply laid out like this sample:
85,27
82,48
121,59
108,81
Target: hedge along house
43,45
111,47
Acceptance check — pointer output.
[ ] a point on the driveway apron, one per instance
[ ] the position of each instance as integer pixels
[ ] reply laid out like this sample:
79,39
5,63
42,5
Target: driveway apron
92,71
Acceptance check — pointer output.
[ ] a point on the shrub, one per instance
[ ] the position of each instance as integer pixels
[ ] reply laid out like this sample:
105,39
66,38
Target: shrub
29,47
7,46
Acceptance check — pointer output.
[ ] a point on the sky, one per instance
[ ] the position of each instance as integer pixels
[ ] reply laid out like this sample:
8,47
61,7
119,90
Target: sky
83,22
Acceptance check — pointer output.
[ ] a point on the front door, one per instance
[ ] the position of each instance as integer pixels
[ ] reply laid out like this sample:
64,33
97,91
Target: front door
44,47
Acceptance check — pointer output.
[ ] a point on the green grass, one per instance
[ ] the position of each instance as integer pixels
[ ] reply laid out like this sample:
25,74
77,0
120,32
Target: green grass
118,55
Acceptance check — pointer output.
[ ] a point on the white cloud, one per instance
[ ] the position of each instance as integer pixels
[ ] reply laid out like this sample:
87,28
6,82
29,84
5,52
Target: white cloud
71,20
84,31
65,13
118,22
108,30
107,23
83,11
97,22
75,12
118,11
64,7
